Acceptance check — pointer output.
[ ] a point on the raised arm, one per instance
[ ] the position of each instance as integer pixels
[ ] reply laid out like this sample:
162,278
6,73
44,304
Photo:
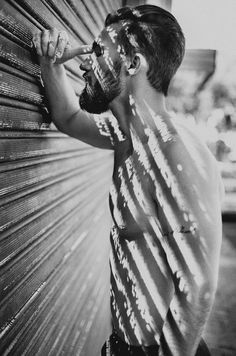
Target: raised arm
63,103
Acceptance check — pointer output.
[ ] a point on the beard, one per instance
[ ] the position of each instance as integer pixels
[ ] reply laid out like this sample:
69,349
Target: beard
96,98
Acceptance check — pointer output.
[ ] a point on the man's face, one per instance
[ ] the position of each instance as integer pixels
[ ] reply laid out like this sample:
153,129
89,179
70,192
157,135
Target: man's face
102,73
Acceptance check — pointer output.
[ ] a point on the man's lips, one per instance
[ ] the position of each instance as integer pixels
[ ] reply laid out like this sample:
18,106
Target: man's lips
87,78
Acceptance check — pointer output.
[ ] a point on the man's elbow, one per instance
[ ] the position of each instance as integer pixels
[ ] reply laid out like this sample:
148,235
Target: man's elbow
64,121
204,292
63,125
60,126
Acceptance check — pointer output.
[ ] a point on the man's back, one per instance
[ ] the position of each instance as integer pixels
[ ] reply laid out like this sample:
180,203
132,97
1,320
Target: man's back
151,178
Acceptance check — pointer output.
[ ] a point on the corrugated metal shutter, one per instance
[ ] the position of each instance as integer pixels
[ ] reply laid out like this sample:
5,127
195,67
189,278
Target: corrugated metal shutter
54,224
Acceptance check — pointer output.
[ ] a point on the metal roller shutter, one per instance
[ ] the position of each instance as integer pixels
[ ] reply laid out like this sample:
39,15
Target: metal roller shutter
54,224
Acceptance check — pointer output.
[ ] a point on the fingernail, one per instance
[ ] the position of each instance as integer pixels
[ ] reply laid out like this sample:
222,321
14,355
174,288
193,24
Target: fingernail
58,54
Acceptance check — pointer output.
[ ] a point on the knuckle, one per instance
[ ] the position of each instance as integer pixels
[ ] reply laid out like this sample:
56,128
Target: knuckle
54,31
61,37
52,42
45,34
64,34
35,34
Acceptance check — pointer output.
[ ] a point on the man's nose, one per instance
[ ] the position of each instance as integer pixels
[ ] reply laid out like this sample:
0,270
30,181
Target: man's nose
86,65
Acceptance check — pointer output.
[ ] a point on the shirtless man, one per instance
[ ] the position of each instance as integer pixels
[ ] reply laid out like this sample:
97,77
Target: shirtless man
165,192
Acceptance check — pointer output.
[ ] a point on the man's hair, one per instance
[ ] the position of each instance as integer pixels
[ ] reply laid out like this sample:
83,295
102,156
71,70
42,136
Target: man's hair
155,33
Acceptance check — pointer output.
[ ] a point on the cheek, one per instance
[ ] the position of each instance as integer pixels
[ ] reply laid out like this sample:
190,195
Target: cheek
108,60
97,69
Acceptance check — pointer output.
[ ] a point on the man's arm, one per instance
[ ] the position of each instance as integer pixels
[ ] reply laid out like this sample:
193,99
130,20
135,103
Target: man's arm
191,244
64,107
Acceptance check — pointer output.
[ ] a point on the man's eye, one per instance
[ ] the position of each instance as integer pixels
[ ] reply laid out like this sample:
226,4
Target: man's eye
97,49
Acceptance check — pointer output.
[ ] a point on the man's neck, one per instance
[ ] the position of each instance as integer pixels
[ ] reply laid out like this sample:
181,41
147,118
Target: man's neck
138,106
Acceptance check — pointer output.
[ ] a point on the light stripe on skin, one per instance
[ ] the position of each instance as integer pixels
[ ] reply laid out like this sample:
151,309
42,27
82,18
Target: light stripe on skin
176,267
124,190
141,301
166,172
109,62
175,224
145,162
112,34
176,326
165,169
116,310
137,188
172,259
133,322
106,57
99,73
102,125
160,193
171,337
192,151
156,150
130,313
119,48
160,125
116,212
155,250
148,279
196,277
117,131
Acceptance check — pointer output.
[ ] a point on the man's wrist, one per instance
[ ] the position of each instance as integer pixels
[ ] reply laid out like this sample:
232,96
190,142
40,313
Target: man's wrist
49,64
50,70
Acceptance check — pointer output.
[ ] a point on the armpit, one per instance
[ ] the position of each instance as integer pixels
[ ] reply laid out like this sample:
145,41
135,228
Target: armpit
108,126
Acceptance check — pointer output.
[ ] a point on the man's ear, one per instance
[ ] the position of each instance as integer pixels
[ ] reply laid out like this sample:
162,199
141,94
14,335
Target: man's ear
138,62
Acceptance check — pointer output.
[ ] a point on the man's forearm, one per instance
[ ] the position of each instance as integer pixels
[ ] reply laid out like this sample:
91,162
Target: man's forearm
184,323
63,102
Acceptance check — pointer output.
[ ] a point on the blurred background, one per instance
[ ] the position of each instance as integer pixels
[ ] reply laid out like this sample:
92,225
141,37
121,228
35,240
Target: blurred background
204,90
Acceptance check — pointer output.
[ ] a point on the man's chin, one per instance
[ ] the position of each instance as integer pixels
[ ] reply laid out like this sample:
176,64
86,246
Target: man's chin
92,105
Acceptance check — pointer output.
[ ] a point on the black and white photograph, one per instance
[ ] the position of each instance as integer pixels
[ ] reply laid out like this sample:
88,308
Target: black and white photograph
117,178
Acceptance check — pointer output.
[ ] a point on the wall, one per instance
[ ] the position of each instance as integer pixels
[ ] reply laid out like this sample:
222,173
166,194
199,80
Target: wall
54,224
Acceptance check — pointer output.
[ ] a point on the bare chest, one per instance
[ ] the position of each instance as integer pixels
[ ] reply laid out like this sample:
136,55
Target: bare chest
131,199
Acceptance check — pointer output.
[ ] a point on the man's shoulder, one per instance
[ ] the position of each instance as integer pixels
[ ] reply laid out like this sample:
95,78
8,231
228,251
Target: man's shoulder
190,135
204,165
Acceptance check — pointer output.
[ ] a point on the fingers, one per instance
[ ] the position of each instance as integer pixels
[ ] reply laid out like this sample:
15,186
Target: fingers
50,43
45,42
62,44
37,43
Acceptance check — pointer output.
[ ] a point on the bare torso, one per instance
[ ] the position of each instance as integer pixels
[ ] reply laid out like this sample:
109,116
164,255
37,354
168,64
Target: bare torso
141,279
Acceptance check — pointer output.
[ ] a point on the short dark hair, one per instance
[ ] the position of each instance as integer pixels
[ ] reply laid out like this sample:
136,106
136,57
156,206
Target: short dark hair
159,37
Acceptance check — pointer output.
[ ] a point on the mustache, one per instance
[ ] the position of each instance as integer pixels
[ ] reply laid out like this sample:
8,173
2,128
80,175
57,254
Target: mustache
105,75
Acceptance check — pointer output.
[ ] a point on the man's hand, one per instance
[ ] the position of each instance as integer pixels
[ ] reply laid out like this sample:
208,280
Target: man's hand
50,45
